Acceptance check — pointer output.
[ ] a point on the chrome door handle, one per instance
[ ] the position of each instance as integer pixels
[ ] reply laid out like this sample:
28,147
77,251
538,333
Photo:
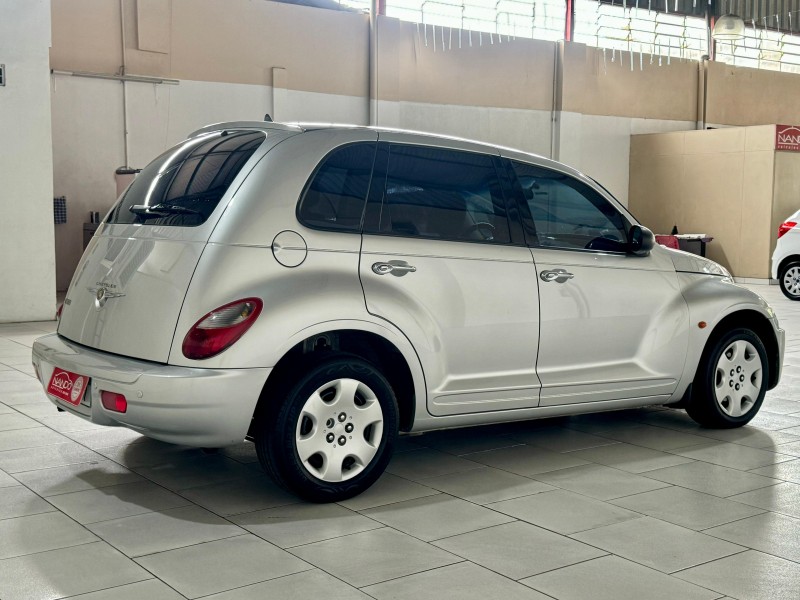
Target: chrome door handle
557,275
398,268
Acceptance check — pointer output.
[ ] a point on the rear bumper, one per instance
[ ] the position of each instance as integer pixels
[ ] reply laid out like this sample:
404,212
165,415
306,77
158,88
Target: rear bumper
180,405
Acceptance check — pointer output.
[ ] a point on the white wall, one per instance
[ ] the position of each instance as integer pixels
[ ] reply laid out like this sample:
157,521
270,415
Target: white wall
27,260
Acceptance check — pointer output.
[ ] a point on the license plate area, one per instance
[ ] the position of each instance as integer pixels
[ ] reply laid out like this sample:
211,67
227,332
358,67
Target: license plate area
67,386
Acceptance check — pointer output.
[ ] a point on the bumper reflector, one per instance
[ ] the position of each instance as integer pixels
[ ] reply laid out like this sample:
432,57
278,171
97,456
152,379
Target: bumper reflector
114,402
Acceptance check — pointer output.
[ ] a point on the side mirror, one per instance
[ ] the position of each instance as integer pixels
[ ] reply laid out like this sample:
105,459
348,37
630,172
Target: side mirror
640,241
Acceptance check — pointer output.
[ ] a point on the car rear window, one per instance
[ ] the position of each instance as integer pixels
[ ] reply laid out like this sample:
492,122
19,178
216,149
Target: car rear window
183,186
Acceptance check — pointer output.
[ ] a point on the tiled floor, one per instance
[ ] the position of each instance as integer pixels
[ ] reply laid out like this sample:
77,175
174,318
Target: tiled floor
632,504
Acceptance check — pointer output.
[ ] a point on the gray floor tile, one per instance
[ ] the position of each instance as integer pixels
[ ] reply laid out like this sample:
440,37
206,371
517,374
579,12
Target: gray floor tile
776,422
772,533
29,438
687,508
116,501
518,549
181,474
67,572
307,585
735,456
526,460
750,575
30,459
712,479
783,498
7,480
13,420
243,453
387,490
383,554
657,544
612,578
148,453
76,478
418,464
151,589
463,581
13,376
486,485
781,406
298,524
102,438
601,482
257,492
39,533
465,441
435,517
65,422
221,565
786,471
159,531
19,501
561,439
564,512
634,459
656,438
791,448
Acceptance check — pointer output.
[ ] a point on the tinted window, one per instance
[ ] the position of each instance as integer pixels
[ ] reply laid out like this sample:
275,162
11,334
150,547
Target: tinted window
443,194
183,186
567,213
335,196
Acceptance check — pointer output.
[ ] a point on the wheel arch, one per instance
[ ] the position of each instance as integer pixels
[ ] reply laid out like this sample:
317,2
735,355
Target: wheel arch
389,351
786,260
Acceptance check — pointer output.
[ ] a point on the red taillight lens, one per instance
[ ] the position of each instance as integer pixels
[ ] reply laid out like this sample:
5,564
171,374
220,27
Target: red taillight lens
59,310
785,227
114,401
220,328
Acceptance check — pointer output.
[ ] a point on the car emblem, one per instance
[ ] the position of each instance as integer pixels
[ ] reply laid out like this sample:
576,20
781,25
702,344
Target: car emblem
102,295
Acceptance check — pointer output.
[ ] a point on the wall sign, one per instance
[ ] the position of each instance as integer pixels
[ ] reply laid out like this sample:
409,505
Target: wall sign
787,137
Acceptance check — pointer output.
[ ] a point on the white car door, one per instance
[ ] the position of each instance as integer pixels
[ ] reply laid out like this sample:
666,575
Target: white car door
441,262
613,325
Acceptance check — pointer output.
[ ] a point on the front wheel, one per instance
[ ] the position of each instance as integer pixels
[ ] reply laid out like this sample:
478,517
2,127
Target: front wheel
789,279
332,435
731,381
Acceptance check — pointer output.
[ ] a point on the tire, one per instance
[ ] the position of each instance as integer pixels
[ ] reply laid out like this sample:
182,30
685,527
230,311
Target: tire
331,435
789,279
731,381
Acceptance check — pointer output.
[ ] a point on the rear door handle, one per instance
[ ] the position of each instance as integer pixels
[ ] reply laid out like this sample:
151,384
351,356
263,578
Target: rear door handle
398,268
557,275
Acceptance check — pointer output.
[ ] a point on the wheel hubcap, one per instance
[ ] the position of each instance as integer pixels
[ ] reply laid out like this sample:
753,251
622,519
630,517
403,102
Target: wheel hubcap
738,378
791,281
339,430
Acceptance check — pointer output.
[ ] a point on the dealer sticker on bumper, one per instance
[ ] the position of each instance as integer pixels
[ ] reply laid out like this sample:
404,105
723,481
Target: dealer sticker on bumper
67,386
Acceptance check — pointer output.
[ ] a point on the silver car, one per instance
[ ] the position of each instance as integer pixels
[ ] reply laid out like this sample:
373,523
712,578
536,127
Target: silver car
319,290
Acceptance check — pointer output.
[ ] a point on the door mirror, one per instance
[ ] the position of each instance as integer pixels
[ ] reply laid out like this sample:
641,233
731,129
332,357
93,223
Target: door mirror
640,241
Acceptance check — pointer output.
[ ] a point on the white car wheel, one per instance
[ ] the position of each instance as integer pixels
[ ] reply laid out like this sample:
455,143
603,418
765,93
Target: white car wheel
739,378
790,281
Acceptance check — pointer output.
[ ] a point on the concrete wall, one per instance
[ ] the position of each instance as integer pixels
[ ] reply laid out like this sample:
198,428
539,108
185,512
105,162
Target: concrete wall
27,259
718,182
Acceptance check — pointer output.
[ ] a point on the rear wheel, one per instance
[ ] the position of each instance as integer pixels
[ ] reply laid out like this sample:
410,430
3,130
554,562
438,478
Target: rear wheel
789,279
332,434
731,381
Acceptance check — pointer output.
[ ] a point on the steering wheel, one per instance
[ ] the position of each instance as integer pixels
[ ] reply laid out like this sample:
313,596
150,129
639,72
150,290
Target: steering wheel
481,225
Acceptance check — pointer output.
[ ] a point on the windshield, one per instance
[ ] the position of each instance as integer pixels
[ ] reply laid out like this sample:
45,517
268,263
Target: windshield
183,186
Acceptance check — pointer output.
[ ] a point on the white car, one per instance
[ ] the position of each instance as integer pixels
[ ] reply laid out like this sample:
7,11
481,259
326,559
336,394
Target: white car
319,290
786,258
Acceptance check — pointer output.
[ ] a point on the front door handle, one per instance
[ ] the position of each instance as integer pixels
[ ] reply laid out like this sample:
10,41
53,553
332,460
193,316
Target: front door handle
398,268
557,275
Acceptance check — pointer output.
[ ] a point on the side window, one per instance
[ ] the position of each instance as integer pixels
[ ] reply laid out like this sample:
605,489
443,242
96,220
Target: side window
334,197
443,194
569,214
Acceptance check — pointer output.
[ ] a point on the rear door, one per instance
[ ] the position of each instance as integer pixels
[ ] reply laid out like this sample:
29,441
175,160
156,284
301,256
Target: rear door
441,261
127,291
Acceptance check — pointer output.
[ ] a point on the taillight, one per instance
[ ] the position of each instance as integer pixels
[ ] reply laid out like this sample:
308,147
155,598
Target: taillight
220,328
59,310
114,401
785,227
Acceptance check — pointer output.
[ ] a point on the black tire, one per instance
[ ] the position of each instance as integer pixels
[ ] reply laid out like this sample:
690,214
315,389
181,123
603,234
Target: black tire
293,418
789,280
705,407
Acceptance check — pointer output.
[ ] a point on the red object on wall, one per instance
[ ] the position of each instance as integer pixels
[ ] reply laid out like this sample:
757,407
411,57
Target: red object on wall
670,241
787,137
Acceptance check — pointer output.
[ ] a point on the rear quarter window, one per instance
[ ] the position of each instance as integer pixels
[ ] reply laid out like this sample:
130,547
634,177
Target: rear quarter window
183,186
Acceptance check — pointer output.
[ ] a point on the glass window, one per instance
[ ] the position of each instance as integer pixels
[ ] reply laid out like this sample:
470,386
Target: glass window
569,214
443,194
183,186
334,197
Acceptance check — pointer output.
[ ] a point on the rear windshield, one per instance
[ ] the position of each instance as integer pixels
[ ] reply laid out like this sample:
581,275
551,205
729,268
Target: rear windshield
183,186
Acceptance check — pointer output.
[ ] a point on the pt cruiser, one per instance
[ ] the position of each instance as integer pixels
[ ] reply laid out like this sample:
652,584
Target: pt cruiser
320,289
